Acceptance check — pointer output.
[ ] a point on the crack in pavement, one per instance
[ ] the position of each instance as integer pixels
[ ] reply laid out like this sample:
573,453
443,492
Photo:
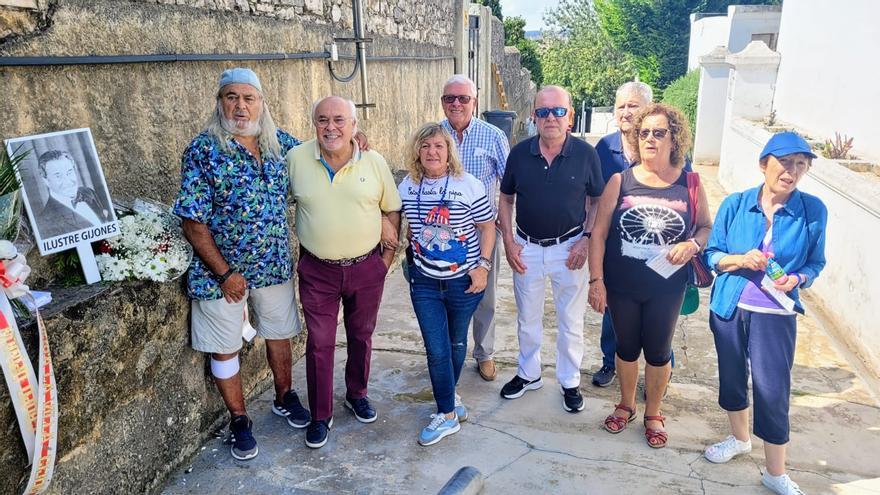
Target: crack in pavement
534,448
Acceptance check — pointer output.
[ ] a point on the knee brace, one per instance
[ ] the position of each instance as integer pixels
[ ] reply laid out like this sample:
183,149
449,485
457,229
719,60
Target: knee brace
224,369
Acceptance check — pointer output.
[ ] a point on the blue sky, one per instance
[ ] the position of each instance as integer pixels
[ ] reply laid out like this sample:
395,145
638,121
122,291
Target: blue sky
531,10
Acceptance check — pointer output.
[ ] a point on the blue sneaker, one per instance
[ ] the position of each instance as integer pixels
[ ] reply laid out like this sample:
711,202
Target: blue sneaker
362,409
244,446
291,408
438,428
318,433
460,410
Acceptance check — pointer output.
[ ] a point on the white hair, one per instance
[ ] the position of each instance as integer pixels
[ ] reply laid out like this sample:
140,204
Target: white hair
462,79
266,131
351,108
639,89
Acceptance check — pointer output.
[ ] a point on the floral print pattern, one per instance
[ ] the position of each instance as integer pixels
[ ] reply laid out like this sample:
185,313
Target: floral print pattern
244,205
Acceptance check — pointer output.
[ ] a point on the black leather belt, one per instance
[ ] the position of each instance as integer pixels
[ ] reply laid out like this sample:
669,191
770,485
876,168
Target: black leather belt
552,241
343,261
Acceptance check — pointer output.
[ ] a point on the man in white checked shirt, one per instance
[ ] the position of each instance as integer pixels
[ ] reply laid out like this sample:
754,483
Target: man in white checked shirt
483,149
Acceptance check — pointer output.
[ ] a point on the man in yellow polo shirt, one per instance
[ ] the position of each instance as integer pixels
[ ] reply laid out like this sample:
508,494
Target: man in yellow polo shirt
341,194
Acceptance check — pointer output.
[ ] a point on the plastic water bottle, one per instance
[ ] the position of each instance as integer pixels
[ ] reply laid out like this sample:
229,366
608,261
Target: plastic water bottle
774,270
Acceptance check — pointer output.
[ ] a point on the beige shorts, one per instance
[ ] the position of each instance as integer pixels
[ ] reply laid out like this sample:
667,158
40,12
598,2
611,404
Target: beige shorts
217,324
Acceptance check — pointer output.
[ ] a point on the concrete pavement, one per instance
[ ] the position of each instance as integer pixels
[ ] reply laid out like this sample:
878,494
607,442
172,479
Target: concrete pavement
530,445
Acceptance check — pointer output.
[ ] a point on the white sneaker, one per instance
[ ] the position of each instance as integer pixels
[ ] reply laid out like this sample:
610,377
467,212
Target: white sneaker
781,484
727,449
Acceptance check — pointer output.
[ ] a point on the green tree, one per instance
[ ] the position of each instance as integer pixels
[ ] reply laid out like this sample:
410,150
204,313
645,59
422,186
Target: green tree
515,35
655,34
682,94
494,6
577,55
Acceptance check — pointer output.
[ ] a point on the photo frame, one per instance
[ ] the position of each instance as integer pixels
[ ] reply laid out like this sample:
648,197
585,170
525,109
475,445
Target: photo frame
64,190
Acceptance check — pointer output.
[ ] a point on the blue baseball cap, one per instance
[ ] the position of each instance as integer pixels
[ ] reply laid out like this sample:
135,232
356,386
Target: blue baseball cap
786,143
240,75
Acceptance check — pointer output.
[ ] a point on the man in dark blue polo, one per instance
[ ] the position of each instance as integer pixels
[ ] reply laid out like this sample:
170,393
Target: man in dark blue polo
553,178
614,152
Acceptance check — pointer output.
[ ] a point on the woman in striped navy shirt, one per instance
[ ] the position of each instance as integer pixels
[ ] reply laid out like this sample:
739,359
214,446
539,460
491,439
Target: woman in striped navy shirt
452,235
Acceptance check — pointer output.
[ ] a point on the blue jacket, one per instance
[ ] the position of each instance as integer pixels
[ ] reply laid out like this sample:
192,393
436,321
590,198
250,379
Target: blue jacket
798,242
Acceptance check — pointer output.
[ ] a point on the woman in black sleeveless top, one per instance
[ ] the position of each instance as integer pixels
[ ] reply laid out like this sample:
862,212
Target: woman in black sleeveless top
643,214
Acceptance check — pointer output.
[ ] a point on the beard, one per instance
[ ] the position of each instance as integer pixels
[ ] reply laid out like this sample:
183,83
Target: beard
234,127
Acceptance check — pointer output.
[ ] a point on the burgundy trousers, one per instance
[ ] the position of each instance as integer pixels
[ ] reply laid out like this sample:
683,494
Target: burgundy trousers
322,286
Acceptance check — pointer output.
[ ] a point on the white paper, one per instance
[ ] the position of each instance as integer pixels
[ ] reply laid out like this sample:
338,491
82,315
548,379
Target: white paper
779,296
40,297
247,331
661,265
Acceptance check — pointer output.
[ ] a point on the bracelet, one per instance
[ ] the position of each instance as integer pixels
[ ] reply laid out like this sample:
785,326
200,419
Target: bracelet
699,248
485,262
225,276
595,280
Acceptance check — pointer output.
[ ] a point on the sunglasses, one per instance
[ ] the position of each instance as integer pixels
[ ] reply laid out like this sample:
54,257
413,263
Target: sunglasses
658,133
543,113
463,99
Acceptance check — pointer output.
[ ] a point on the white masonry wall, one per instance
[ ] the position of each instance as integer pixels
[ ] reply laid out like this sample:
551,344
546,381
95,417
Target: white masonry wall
828,75
706,34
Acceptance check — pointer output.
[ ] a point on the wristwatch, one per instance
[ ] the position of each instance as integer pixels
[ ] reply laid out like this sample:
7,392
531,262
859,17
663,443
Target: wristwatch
485,263
225,276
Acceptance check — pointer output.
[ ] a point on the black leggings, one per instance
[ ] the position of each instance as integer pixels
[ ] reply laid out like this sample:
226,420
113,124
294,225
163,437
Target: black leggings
645,323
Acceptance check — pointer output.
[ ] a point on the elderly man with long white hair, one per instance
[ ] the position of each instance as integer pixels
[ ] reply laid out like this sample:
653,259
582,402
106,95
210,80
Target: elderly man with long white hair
233,201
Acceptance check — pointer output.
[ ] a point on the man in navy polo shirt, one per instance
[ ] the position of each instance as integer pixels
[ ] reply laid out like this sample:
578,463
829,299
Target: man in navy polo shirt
553,177
614,152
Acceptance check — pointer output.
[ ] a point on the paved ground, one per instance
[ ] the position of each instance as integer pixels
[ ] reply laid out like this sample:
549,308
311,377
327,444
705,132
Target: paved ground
530,445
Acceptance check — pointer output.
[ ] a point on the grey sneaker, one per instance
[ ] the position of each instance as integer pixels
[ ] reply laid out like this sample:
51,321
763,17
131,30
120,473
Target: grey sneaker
781,484
604,377
460,410
727,449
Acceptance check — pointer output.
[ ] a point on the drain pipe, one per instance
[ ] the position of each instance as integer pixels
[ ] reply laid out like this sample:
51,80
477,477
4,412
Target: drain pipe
359,30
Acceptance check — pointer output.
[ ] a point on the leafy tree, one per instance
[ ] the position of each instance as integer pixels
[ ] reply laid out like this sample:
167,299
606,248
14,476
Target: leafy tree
682,94
515,35
655,33
494,6
577,55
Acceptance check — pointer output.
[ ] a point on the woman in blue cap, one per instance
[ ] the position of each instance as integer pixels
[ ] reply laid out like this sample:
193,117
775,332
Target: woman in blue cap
766,243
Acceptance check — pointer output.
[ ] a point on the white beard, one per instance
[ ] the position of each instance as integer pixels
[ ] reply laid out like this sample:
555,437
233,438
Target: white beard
232,126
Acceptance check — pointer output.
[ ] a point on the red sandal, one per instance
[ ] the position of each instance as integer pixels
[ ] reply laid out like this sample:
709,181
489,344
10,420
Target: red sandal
619,422
656,438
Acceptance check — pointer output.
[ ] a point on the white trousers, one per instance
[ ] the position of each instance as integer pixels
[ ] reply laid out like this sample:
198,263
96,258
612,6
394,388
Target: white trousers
570,297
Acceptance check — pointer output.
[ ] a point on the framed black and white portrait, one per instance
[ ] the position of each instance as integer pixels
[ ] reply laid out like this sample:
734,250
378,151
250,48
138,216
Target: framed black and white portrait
64,190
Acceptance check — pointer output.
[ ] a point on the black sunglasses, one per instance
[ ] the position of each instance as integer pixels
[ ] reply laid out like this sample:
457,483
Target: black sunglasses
658,133
463,99
543,113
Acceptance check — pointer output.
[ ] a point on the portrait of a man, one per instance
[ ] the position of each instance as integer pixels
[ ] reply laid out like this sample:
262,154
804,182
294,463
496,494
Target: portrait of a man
70,206
64,189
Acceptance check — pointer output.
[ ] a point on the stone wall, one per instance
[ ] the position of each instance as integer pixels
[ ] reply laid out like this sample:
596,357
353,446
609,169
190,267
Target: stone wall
518,86
135,399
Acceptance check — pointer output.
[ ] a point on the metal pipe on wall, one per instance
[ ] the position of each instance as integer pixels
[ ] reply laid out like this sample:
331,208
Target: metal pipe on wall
356,6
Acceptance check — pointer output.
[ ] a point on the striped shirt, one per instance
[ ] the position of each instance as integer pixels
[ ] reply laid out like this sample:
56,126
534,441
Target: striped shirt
442,215
483,151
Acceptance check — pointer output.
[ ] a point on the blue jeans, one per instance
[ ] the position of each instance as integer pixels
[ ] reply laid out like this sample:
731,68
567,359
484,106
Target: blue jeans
608,343
444,312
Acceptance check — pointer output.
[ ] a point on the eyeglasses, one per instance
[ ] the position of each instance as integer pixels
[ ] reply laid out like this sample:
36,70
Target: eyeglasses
793,165
325,121
463,99
658,133
543,113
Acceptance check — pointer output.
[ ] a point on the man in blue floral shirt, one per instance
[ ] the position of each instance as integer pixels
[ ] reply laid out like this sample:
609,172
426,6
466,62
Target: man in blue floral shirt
232,199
